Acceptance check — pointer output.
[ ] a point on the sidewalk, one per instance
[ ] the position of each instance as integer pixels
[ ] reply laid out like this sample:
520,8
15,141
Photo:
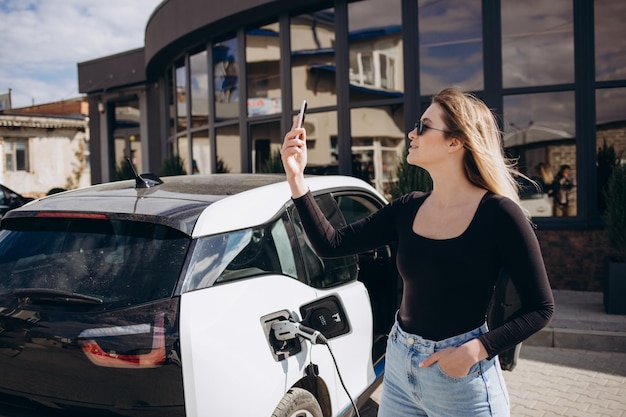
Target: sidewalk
552,382
580,322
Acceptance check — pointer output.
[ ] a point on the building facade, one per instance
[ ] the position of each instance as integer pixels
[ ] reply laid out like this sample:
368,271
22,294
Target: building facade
45,147
219,83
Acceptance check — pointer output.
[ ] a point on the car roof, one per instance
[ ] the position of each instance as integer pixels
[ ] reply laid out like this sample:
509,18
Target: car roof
195,204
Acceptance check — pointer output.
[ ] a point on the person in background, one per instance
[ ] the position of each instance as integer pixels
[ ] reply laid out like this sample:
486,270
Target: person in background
562,192
452,244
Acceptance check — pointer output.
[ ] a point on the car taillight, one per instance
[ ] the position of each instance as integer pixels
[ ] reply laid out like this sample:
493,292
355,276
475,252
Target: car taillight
98,356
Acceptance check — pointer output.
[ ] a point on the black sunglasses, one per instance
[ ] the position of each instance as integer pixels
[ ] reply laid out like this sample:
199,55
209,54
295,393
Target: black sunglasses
420,126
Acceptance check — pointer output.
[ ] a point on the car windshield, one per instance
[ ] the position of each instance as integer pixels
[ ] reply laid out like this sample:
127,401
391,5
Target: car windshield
103,261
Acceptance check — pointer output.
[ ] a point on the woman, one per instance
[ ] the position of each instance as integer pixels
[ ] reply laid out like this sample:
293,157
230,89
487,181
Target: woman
453,242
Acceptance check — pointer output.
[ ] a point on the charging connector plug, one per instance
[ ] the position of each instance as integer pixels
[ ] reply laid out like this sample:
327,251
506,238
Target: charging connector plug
286,330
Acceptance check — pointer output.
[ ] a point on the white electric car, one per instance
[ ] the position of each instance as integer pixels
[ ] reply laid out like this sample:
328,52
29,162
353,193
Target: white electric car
189,296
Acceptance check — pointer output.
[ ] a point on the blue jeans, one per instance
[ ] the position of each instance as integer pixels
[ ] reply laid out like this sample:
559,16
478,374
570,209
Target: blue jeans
409,390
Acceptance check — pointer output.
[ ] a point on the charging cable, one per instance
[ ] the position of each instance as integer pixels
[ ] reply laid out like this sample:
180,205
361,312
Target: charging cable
287,330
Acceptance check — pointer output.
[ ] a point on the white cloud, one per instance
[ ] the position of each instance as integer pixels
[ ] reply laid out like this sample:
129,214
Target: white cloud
44,40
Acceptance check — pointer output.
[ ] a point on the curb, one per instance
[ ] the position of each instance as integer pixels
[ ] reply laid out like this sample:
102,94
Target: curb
596,340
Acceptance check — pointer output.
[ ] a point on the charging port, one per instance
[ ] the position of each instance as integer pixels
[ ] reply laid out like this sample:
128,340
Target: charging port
281,349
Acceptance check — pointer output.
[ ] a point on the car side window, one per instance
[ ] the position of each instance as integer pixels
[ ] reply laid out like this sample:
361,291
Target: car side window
241,254
325,272
356,207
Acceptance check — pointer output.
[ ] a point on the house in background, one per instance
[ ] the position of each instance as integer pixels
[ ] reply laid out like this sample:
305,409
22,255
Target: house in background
45,147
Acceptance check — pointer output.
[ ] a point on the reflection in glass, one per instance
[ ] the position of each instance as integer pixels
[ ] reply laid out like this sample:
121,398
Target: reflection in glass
182,150
610,42
226,79
378,141
122,170
199,89
262,70
201,147
537,42
181,98
228,149
313,59
540,134
266,143
610,134
322,144
126,143
375,36
451,45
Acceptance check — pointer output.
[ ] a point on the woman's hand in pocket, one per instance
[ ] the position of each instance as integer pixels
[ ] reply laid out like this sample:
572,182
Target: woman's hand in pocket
457,361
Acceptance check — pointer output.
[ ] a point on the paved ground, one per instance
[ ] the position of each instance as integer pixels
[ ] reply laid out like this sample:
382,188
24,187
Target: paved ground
549,382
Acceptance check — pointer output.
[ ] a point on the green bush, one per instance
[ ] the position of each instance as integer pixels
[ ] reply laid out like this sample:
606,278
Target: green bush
410,178
274,165
123,171
615,213
174,165
221,167
606,161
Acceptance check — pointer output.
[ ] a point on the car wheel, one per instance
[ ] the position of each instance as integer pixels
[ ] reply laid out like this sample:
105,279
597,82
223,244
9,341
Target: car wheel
298,402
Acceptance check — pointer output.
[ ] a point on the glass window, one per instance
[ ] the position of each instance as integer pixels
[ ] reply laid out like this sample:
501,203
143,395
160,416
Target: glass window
321,135
610,135
16,155
610,45
450,45
181,98
266,144
378,140
126,139
226,79
241,254
199,89
326,272
313,59
263,70
182,150
228,149
113,262
201,147
537,42
540,134
375,50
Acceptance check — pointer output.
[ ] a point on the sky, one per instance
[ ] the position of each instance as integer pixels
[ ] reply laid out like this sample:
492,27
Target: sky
42,42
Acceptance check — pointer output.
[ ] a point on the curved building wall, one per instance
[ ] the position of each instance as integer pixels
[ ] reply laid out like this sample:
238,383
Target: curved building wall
223,81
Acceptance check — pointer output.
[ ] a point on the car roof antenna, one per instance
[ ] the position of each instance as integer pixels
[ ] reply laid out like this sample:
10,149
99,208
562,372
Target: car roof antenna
145,180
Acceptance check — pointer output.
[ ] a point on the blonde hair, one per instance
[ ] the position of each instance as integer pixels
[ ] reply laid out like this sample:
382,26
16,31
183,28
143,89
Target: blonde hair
545,173
486,166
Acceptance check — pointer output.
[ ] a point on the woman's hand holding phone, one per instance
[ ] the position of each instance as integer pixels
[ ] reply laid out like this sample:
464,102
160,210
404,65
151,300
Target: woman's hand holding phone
294,154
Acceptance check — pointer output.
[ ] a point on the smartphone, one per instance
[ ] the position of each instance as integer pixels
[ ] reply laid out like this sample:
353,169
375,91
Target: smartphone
301,114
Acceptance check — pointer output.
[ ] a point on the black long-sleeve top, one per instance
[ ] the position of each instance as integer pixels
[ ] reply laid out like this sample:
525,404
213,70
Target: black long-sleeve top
448,283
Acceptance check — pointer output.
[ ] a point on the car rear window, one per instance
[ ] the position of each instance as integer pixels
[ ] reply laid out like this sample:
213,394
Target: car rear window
118,262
